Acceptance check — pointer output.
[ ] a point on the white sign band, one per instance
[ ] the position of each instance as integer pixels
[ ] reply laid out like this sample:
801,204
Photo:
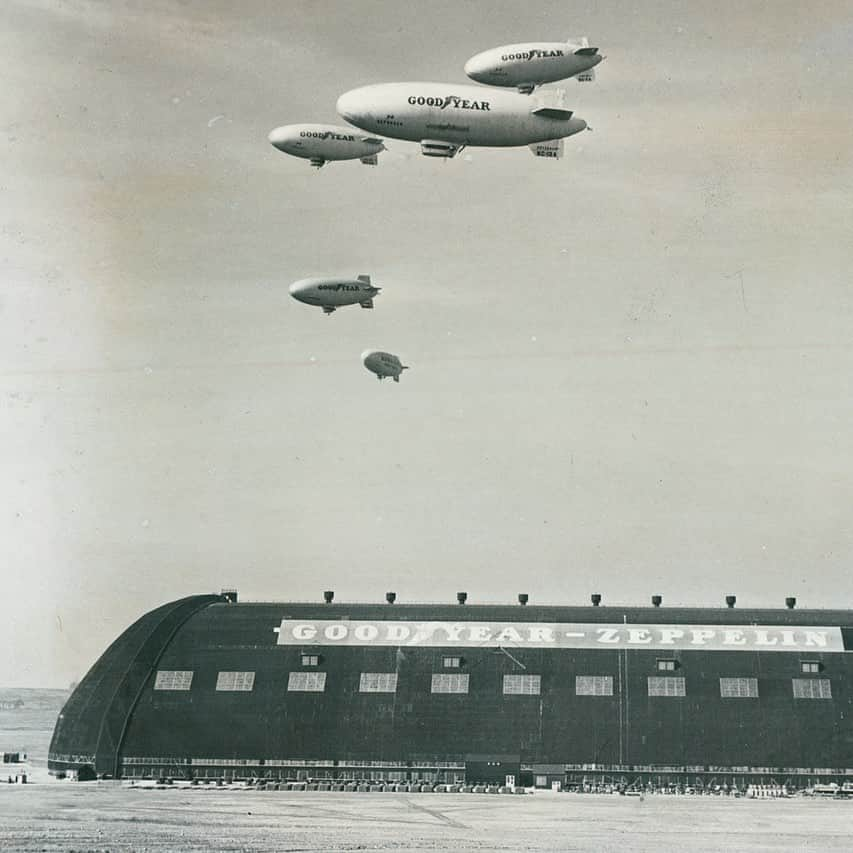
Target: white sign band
558,635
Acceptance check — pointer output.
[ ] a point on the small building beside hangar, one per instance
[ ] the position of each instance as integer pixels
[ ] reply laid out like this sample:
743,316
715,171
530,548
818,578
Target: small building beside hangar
211,687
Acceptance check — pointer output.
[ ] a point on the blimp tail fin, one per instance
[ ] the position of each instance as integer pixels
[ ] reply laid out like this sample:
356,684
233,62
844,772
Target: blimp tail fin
364,279
582,48
552,149
553,112
367,303
371,160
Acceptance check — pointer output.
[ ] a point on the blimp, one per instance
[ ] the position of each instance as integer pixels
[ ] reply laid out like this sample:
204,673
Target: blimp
445,118
383,364
526,66
322,143
333,293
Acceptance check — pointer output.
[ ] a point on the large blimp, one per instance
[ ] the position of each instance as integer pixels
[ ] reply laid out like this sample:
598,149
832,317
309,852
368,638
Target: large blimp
321,143
332,293
446,117
525,66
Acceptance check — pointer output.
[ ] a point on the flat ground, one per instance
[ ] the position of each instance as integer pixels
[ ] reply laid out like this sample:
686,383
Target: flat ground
106,816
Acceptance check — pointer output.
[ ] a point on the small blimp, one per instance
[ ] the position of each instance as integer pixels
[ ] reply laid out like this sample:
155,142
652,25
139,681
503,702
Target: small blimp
526,66
445,118
333,293
321,143
383,364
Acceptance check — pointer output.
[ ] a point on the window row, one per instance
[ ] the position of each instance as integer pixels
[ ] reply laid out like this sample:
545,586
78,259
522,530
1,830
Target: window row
513,685
809,667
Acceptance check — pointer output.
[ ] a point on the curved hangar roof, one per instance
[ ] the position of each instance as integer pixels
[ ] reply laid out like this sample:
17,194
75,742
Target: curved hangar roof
205,676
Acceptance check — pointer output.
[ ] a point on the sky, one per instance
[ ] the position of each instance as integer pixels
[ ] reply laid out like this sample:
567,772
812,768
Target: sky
630,368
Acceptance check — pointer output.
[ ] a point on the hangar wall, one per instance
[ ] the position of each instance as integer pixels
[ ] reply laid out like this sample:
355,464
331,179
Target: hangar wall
91,725
204,686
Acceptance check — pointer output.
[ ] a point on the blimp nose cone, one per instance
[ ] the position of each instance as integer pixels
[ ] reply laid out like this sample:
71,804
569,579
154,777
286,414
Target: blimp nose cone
366,355
297,286
352,105
474,67
279,137
346,105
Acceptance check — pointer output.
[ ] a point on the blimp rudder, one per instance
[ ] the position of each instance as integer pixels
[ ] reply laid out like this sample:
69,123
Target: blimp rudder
443,692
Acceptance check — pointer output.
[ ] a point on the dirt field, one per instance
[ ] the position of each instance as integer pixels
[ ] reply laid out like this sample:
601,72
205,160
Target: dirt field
106,816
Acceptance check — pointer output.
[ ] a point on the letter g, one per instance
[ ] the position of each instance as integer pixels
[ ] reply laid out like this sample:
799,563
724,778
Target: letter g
304,632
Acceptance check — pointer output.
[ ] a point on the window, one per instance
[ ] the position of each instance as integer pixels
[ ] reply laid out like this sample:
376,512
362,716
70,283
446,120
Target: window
541,781
666,685
739,688
378,682
667,665
522,685
444,682
173,679
310,660
810,666
452,663
308,682
593,685
812,688
235,681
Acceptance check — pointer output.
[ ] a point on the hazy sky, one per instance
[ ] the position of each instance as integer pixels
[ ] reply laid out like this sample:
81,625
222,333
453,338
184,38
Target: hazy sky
631,368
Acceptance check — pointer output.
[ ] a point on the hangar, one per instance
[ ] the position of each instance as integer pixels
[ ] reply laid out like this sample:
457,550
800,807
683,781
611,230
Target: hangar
207,686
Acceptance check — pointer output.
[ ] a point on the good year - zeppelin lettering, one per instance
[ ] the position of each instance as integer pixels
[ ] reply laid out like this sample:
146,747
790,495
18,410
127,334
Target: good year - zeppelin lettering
558,635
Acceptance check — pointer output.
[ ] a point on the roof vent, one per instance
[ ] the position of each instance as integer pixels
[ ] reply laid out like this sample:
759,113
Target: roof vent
390,597
229,595
328,596
461,597
730,600
656,600
595,598
523,598
790,603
